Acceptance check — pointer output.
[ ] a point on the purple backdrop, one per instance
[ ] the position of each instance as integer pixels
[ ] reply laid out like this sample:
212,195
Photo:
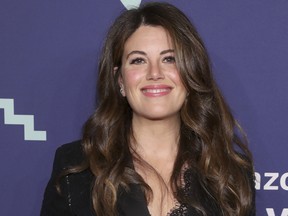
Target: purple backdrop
48,61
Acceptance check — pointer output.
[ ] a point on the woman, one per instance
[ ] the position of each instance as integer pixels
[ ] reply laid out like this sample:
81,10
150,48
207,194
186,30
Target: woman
162,140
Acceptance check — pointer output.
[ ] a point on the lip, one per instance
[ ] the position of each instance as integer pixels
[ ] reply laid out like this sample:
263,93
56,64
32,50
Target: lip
156,90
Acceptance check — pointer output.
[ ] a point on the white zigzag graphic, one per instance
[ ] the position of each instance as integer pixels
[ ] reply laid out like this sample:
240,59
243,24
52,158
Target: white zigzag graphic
26,120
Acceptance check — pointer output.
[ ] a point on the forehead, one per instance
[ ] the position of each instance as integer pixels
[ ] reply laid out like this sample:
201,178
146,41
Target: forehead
146,37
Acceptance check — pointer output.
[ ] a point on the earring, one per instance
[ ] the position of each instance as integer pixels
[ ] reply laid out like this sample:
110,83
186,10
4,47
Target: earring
122,92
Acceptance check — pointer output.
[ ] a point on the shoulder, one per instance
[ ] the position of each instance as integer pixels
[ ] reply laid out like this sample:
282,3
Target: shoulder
74,198
71,151
68,155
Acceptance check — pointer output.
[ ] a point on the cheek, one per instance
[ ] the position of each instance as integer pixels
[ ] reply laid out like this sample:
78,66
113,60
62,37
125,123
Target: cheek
175,77
131,78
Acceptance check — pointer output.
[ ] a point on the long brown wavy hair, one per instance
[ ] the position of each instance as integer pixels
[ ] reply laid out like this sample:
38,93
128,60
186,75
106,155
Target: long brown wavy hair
209,134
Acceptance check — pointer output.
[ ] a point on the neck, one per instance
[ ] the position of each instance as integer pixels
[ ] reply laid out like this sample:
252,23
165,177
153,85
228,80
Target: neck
156,138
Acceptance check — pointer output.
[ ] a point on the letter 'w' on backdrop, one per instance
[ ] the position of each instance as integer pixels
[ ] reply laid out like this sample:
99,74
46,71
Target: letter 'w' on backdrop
271,212
26,120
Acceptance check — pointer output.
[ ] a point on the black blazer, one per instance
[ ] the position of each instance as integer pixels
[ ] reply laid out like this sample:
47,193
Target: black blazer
75,198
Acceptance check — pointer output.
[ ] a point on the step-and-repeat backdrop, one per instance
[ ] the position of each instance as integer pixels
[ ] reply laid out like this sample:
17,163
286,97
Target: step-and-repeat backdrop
48,65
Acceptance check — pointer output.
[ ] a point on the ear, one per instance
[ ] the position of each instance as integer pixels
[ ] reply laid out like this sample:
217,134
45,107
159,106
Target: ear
120,82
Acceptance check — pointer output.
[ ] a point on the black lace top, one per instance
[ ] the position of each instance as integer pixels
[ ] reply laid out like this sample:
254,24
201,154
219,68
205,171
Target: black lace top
181,209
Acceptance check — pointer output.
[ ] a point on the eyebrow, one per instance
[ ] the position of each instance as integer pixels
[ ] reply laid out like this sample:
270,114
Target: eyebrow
136,52
145,54
166,51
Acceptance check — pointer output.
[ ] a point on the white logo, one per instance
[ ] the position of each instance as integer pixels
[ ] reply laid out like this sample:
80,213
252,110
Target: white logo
130,4
270,212
26,120
271,181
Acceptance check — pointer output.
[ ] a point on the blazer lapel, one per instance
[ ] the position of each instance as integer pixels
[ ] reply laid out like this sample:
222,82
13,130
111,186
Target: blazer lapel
132,202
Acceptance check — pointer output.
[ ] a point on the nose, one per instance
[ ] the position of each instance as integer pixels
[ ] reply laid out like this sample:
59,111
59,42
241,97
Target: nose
155,72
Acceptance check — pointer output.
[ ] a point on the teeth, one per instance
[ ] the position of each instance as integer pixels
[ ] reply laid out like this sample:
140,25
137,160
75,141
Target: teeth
155,90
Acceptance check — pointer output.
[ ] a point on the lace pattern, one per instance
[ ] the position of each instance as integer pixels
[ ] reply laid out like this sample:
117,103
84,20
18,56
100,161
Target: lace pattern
181,209
178,210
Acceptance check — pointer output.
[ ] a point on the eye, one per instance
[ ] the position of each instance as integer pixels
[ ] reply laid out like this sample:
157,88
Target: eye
169,59
137,61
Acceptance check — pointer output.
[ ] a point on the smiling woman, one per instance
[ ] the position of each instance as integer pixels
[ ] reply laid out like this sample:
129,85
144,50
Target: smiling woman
162,140
149,77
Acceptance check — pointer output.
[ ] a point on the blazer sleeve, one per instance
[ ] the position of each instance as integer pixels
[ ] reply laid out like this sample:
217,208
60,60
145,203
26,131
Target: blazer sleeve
55,204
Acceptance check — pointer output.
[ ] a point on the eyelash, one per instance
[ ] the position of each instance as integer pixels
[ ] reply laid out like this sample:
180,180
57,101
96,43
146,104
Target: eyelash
137,61
168,59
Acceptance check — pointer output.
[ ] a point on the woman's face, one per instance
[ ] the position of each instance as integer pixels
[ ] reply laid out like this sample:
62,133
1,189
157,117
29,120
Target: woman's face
149,77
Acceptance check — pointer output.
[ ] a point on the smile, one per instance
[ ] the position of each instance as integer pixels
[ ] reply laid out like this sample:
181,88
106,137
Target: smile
156,91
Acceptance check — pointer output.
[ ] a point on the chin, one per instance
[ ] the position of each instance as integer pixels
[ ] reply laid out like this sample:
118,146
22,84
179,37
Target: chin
158,116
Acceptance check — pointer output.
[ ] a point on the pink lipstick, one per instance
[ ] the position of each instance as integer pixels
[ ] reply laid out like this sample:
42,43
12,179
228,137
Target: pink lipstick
156,90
